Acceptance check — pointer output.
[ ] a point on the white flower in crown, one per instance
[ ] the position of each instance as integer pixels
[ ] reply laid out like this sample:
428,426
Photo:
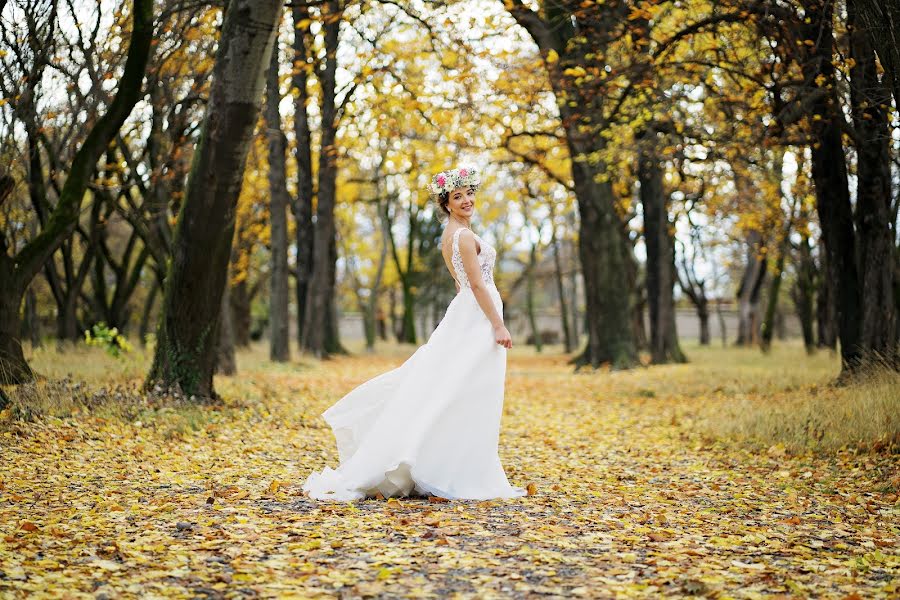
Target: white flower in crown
447,181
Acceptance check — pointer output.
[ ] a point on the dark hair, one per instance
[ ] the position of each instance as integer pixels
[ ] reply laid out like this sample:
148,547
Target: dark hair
443,201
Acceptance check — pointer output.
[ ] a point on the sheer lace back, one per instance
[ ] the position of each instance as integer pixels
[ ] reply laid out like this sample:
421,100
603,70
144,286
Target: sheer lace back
486,259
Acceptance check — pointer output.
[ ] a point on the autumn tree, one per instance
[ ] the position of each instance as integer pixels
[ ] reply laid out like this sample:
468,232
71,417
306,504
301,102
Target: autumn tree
573,37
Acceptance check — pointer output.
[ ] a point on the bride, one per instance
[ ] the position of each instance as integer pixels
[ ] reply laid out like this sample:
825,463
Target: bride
431,426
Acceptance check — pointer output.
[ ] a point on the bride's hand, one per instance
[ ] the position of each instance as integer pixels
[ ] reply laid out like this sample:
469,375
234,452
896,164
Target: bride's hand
502,337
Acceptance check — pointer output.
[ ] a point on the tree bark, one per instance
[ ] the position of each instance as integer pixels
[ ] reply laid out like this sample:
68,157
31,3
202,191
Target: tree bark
186,349
529,298
303,205
279,341
144,328
568,344
748,292
225,361
319,310
32,320
870,101
803,293
664,347
768,324
826,307
829,169
240,313
16,273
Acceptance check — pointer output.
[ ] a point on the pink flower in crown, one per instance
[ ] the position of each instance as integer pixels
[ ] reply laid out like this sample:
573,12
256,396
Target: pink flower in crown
463,172
441,180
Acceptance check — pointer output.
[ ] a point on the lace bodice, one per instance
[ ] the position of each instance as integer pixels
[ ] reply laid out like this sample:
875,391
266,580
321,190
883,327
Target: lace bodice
486,259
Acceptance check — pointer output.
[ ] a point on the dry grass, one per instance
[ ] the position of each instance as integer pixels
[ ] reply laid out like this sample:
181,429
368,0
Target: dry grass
865,415
783,401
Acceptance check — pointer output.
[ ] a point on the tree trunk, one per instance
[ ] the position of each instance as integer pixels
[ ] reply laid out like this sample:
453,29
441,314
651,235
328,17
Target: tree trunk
240,313
186,351
319,311
67,319
803,294
225,361
870,101
144,328
826,307
768,325
703,315
529,298
568,344
604,250
573,286
279,341
408,321
32,320
664,347
332,334
748,292
609,292
17,274
829,169
303,206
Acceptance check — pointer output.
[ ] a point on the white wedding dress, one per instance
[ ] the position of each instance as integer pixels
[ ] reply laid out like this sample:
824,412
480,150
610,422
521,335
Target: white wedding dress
431,426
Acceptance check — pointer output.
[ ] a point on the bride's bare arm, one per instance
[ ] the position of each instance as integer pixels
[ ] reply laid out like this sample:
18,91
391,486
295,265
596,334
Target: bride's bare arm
469,253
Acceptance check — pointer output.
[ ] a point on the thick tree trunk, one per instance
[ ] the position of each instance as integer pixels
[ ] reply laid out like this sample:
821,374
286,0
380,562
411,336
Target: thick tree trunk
609,293
870,101
829,169
62,221
279,341
13,367
303,206
604,250
186,350
319,311
664,347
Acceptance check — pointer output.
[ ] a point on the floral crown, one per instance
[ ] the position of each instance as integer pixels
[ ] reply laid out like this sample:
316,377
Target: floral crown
447,181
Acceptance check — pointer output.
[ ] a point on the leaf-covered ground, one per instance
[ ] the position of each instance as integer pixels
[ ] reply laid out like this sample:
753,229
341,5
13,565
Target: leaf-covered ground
630,499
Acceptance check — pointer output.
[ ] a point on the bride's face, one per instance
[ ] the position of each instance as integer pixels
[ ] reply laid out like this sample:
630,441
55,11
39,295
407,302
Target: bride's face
462,202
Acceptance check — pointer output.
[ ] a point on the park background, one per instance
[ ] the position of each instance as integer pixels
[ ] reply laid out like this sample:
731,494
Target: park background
214,224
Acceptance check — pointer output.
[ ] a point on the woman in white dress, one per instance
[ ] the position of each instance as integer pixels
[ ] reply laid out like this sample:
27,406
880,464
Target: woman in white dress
431,426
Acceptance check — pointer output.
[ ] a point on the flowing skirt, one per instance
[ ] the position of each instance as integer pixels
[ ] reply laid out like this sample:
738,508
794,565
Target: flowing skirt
429,426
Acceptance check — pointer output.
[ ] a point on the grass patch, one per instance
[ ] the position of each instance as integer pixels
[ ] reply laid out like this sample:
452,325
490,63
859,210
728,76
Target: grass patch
817,417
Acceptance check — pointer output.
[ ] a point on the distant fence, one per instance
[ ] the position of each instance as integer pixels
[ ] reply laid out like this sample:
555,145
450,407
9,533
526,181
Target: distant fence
788,326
